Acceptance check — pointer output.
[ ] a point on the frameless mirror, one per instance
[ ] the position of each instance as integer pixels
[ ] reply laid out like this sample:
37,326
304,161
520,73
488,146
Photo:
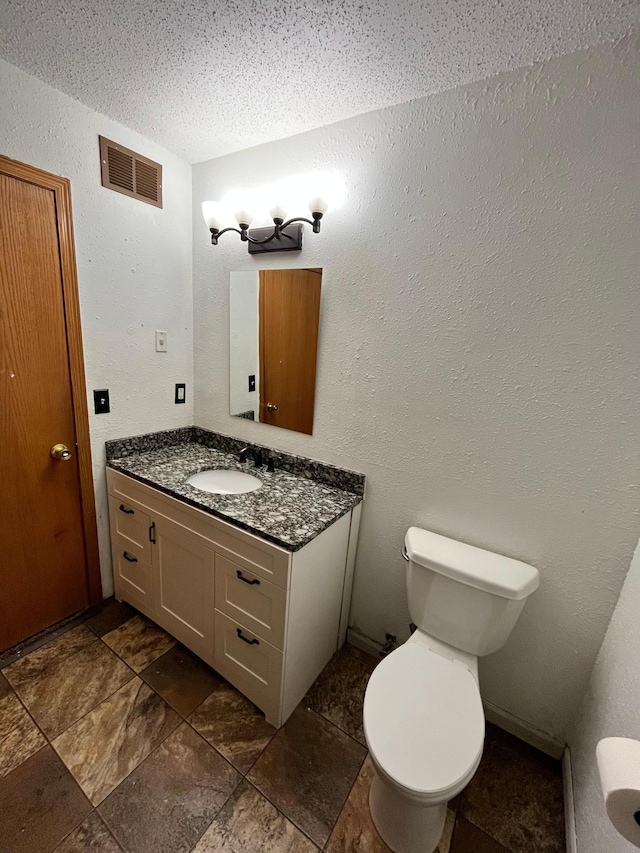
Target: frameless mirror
274,316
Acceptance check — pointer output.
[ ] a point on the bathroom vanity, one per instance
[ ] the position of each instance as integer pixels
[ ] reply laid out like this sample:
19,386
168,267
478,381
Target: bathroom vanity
259,584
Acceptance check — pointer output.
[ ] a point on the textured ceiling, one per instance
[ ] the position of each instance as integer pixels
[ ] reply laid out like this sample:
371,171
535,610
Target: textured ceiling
206,78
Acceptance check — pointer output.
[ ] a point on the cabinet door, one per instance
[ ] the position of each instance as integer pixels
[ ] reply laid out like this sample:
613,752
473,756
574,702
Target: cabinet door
183,571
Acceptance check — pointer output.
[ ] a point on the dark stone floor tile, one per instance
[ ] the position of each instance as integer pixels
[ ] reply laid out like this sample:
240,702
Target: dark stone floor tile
166,804
5,687
40,803
19,735
355,830
249,823
467,838
139,642
92,836
234,725
31,644
182,679
103,747
516,796
307,772
338,692
454,803
61,681
370,661
111,616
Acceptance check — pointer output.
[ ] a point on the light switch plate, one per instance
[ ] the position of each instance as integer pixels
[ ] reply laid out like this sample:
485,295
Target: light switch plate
161,341
181,393
101,401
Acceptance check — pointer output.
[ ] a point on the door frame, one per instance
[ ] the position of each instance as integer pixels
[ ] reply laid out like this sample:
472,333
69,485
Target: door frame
61,188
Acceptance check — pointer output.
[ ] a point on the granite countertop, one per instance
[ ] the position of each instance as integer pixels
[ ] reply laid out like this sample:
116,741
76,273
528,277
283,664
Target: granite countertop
288,509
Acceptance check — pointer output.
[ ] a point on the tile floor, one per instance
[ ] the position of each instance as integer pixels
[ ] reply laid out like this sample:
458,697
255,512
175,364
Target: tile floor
116,739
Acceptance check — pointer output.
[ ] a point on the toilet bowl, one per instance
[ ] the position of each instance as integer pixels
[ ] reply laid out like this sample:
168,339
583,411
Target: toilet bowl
424,727
423,717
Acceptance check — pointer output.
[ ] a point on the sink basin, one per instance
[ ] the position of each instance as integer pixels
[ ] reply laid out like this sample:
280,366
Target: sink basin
220,481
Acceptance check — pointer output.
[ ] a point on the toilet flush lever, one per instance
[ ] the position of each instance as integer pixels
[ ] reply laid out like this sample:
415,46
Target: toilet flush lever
405,556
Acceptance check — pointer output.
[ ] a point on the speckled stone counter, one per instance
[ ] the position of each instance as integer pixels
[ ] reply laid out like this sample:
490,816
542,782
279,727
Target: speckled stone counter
290,508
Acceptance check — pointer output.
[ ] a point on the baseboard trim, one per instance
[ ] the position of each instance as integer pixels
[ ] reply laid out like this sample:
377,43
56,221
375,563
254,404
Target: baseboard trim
569,803
525,731
364,643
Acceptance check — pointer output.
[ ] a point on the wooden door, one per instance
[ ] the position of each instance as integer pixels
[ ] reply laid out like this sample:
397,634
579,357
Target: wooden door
183,571
289,307
48,545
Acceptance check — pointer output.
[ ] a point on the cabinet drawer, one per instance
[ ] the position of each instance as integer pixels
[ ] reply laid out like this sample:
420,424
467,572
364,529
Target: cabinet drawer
254,602
132,573
132,524
250,664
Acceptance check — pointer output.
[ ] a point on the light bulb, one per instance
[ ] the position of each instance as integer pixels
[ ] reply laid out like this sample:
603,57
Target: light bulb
213,213
318,205
243,217
278,212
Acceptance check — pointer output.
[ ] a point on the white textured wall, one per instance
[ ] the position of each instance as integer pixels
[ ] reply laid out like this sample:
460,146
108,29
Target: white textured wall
134,266
610,709
478,353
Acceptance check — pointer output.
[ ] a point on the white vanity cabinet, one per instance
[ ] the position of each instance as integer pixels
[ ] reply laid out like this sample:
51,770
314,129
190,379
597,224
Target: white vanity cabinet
265,618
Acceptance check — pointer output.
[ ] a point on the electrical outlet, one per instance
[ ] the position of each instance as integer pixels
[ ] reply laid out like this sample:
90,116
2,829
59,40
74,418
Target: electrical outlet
101,401
161,341
181,392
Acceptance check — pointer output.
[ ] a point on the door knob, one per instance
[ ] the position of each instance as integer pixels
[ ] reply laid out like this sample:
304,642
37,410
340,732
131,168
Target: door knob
272,407
60,451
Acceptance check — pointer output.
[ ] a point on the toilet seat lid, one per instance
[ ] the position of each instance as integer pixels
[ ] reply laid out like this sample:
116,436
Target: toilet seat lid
423,720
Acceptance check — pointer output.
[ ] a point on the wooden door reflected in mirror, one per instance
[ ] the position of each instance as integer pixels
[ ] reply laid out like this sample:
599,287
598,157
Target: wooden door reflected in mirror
274,319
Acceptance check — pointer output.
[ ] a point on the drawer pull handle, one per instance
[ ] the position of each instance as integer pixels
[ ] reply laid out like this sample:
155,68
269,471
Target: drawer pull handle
241,577
129,558
152,532
253,642
127,511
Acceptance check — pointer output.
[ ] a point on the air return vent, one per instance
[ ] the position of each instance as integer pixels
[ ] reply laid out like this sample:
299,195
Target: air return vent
130,173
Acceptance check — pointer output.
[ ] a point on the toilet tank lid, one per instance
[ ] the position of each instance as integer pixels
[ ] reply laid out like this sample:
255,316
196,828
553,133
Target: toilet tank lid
473,566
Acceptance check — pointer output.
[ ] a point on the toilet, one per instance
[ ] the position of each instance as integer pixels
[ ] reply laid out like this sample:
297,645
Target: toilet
423,716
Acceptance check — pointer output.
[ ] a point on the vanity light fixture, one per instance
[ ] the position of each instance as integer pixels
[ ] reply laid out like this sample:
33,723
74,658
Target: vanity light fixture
283,236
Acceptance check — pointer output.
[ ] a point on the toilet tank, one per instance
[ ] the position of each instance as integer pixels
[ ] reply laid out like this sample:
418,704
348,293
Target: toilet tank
465,596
